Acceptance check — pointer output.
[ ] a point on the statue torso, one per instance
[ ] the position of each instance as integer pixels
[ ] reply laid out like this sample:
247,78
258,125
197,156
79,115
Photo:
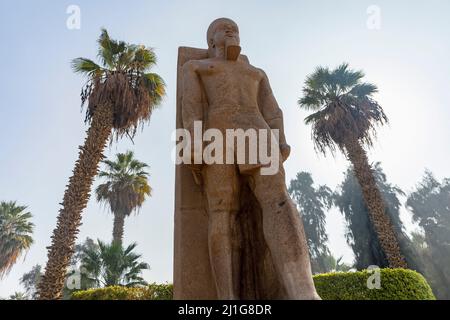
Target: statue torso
229,84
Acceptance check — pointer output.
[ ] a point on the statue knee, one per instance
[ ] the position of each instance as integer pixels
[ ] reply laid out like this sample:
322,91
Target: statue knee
221,218
223,207
278,202
223,199
264,191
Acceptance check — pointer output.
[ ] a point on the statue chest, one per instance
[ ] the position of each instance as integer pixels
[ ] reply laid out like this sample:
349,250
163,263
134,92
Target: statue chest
230,78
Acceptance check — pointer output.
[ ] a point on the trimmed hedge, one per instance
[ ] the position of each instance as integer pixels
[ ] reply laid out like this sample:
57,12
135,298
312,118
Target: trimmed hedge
396,284
152,292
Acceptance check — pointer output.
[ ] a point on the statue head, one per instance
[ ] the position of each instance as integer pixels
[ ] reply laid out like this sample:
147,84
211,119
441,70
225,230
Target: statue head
223,34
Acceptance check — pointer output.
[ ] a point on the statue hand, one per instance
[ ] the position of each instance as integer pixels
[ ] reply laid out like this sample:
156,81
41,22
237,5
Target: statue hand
285,151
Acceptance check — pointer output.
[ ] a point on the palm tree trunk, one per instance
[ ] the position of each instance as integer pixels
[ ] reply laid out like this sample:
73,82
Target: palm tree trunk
374,201
119,222
75,200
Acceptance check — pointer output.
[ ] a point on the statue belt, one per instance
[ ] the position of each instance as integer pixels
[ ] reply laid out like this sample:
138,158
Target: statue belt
233,110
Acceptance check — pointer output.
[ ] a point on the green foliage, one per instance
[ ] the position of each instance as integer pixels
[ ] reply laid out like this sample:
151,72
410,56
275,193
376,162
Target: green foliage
122,80
112,265
161,291
85,281
344,110
126,185
313,202
361,235
30,280
125,189
429,204
115,56
335,265
18,296
80,248
152,292
16,231
396,284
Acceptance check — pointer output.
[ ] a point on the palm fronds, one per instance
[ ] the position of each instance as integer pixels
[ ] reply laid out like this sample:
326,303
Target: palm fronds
15,234
344,107
111,265
126,186
123,82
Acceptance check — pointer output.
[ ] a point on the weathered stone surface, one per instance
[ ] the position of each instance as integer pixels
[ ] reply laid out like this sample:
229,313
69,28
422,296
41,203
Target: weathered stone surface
238,234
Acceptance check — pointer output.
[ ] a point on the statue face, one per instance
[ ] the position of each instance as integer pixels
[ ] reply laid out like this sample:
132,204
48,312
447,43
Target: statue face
226,33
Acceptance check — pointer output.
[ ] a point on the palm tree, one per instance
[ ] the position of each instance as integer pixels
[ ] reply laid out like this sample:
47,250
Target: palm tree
125,189
30,280
121,96
15,234
112,265
18,296
345,116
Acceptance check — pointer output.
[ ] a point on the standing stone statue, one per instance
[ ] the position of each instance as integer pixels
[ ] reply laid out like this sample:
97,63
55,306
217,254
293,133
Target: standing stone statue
238,234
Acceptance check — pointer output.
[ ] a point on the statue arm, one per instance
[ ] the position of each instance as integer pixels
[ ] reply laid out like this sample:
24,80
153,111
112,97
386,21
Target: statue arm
272,112
192,107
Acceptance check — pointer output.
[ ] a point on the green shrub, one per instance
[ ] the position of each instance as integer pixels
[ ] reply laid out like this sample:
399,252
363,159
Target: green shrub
396,284
152,292
161,291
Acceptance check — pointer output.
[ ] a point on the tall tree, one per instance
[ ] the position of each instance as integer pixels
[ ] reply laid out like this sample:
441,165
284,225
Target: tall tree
313,203
16,231
345,116
30,280
113,265
430,269
80,248
361,235
121,96
125,189
430,206
76,277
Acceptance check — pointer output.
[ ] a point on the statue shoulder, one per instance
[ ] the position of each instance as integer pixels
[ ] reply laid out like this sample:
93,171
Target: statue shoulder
196,65
191,65
262,73
254,70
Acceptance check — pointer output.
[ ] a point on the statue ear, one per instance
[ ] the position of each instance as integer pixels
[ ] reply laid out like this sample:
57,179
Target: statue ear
211,47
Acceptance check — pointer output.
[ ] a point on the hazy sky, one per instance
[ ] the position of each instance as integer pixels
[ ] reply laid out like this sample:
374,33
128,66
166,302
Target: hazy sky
42,125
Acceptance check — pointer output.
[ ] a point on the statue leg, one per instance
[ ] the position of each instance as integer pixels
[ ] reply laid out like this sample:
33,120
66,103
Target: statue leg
222,194
284,235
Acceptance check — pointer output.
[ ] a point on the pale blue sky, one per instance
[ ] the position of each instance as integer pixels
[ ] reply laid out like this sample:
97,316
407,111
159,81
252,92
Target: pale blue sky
41,122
